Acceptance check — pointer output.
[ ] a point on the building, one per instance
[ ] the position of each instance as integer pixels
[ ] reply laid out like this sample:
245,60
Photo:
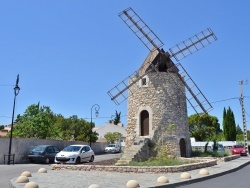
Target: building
200,146
3,132
110,127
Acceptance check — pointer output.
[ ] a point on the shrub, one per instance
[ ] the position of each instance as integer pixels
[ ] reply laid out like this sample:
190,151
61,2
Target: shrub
209,154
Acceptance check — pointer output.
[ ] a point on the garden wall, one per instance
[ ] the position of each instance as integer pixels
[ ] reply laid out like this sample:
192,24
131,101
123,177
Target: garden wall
21,146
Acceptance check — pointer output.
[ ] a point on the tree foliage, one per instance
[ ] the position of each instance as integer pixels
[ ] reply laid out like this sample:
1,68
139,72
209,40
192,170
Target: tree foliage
112,136
36,122
203,127
42,123
117,118
238,130
229,126
240,137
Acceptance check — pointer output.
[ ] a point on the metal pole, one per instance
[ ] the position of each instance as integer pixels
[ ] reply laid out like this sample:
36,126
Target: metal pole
243,117
97,107
16,91
90,131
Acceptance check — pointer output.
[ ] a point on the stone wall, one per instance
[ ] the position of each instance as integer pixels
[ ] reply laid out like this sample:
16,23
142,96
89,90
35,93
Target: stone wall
165,100
138,169
145,152
21,146
200,163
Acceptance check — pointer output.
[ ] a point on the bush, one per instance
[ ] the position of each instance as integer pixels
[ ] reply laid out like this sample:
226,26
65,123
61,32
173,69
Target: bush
209,154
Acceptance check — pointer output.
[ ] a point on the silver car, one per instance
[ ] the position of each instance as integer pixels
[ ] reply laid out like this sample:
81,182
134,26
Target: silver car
75,154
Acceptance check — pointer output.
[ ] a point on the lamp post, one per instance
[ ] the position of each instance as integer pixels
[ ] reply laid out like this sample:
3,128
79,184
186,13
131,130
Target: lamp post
16,92
97,107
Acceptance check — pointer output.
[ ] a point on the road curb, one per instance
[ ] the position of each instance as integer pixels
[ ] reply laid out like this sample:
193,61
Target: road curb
191,181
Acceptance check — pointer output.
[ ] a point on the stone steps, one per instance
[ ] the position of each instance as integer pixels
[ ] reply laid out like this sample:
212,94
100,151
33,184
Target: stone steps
128,156
123,162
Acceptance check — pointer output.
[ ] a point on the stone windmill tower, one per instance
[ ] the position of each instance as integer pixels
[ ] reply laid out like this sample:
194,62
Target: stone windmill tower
158,93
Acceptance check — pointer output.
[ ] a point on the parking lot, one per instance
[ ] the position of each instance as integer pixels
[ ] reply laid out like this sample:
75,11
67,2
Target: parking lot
10,171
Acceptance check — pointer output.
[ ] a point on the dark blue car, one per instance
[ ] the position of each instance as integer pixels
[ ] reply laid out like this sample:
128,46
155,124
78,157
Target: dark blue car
43,153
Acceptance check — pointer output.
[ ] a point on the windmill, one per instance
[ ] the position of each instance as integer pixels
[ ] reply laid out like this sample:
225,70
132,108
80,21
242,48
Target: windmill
162,60
156,91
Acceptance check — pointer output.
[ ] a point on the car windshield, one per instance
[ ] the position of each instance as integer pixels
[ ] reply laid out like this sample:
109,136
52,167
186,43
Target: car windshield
72,148
39,148
111,145
238,146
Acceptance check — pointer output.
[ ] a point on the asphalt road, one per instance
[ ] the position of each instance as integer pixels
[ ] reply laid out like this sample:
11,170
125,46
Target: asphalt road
8,172
238,179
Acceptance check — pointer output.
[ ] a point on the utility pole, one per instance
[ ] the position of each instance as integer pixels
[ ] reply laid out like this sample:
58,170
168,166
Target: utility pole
243,115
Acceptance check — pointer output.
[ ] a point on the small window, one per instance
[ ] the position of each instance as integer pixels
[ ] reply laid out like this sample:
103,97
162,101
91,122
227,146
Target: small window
85,148
143,81
50,150
56,150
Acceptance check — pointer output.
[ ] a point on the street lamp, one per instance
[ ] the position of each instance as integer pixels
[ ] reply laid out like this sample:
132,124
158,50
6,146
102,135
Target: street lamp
97,107
16,92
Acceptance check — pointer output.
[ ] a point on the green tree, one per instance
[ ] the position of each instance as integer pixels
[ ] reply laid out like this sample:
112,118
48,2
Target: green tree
73,128
112,136
1,127
240,137
229,126
238,130
62,128
203,127
117,118
41,122
81,130
36,122
224,122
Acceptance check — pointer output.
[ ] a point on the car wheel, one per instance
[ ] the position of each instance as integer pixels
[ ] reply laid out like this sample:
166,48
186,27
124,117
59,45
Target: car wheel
78,160
31,160
92,158
46,160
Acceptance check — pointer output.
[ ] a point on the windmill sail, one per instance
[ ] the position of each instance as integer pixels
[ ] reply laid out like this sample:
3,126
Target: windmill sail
140,29
160,61
193,44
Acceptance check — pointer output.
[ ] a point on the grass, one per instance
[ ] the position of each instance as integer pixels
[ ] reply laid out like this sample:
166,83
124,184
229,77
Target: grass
161,162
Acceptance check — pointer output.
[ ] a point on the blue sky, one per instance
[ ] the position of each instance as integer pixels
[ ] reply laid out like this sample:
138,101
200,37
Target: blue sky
69,54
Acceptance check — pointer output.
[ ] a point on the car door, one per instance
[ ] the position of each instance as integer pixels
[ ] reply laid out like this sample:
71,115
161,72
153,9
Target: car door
88,151
82,154
85,155
50,153
56,150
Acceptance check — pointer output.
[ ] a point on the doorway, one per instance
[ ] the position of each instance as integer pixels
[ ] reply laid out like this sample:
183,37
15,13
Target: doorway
144,123
183,147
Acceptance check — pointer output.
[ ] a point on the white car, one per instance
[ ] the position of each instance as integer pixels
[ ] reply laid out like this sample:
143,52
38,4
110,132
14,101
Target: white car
113,148
75,154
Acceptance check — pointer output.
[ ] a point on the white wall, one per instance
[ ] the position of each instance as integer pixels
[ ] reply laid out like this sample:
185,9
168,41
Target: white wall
110,128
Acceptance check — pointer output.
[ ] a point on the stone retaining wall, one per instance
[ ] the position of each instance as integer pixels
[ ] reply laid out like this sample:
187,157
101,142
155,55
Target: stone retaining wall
229,158
222,159
202,163
136,169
